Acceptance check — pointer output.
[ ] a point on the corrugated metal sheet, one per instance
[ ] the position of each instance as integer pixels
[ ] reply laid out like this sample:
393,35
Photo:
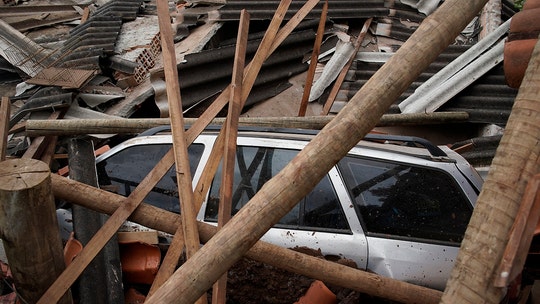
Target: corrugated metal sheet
208,72
488,100
337,9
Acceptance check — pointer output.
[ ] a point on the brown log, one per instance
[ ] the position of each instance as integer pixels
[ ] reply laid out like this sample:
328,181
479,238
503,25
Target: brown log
314,61
137,125
515,163
329,272
4,126
284,190
29,228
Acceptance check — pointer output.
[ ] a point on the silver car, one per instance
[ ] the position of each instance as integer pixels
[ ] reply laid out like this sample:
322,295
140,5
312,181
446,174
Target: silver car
398,206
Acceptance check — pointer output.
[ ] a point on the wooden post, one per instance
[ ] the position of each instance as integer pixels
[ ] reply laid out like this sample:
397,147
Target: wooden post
101,282
290,260
279,195
29,228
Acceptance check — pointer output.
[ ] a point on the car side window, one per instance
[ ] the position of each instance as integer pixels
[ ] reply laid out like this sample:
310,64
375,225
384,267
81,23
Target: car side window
406,201
254,166
123,171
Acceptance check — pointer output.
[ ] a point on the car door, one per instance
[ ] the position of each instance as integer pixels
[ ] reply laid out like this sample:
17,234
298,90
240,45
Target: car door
414,217
318,221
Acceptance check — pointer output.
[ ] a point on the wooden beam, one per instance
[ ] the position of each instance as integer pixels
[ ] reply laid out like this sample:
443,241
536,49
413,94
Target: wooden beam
314,61
187,235
290,260
341,77
5,105
219,292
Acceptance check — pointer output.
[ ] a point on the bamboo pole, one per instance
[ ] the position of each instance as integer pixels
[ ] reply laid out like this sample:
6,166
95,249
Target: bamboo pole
29,228
515,163
314,61
329,272
219,292
4,126
69,127
282,192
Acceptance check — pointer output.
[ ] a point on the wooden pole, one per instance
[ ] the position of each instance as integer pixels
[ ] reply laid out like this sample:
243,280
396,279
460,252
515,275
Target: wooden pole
29,228
4,126
101,282
136,125
341,77
219,291
329,272
514,165
314,61
281,193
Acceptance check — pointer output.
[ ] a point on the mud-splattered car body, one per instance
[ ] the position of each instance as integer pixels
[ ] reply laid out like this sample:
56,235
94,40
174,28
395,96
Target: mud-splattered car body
397,206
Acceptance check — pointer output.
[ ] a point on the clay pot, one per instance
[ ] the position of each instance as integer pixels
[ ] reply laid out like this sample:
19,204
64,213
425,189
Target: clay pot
318,293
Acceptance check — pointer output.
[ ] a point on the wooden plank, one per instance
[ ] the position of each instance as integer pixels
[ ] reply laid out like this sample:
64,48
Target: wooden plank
187,235
231,133
4,127
341,77
521,235
147,237
314,61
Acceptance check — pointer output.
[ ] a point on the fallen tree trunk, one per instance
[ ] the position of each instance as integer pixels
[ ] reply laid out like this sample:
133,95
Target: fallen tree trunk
65,127
279,195
330,272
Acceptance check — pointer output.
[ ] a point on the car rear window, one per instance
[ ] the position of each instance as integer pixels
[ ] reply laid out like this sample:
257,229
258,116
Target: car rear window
320,210
123,171
406,201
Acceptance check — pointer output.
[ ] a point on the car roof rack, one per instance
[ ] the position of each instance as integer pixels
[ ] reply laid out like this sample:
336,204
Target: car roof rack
411,141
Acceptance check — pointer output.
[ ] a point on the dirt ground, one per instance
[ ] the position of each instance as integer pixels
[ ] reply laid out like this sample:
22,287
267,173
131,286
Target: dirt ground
252,282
